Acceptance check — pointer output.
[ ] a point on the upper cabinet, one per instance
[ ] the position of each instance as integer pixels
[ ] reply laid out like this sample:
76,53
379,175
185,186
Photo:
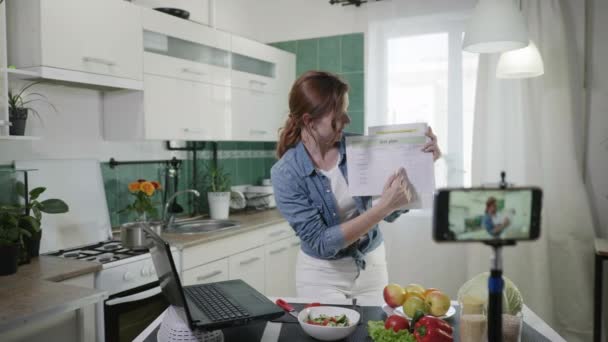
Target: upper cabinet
85,41
261,79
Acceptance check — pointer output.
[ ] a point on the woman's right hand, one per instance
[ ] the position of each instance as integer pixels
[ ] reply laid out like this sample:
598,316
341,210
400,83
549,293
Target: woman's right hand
396,193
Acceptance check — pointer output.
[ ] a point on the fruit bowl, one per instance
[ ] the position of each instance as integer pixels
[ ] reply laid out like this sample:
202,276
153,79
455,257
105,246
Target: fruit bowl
328,333
399,311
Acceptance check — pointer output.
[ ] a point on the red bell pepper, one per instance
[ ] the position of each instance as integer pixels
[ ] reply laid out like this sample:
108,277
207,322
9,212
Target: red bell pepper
432,329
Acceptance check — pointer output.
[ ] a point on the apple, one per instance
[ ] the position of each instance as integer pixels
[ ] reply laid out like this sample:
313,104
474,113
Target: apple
397,323
413,294
393,295
414,288
429,290
412,305
438,303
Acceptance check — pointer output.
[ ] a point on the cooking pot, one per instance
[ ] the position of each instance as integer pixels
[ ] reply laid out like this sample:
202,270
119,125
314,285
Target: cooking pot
133,236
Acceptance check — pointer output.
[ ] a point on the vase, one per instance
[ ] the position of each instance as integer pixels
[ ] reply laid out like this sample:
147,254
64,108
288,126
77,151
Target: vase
219,205
9,257
17,118
32,244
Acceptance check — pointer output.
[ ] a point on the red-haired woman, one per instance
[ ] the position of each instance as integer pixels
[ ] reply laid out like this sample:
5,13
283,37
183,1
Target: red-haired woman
342,252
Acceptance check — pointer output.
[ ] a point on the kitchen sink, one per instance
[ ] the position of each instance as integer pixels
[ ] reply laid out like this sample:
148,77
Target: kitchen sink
202,226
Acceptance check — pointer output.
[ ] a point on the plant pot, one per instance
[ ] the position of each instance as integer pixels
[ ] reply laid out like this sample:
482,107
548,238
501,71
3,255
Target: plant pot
9,257
32,244
219,205
17,117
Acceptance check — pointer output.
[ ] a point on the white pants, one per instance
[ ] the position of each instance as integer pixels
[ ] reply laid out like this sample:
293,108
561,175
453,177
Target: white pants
337,279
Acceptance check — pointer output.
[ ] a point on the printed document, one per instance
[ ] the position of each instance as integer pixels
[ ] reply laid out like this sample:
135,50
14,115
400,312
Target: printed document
373,159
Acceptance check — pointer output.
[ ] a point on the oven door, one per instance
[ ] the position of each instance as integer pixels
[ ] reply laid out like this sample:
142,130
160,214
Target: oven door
128,313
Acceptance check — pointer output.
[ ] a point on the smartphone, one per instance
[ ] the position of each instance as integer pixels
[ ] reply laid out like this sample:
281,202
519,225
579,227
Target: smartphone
486,214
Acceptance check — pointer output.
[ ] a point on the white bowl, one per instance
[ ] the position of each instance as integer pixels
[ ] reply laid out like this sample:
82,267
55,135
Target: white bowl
325,333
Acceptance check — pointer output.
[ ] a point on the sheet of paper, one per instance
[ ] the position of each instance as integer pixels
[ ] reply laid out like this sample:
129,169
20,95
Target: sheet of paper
372,159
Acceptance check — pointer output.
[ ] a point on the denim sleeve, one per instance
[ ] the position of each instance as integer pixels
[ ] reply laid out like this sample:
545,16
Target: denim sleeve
304,216
395,215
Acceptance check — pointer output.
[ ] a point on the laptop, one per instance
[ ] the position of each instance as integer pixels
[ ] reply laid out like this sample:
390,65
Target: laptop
208,306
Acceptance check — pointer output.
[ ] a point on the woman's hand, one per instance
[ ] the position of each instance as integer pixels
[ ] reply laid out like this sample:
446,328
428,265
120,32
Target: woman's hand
396,193
432,146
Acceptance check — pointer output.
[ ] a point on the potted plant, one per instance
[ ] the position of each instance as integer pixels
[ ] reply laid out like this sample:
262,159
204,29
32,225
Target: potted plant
19,104
12,220
32,222
217,183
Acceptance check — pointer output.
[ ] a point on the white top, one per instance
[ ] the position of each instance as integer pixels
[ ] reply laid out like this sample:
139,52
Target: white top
347,208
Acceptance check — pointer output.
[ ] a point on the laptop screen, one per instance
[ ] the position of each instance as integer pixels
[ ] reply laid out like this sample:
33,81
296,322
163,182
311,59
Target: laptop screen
167,275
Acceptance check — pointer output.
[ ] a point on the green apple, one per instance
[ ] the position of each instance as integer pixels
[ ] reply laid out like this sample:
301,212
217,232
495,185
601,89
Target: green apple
413,304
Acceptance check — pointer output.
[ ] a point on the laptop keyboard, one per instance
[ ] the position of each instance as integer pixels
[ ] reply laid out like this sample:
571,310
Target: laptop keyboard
212,301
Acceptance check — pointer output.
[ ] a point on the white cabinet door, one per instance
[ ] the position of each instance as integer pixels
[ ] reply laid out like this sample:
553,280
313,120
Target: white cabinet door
294,250
208,273
249,266
254,117
96,36
184,110
278,282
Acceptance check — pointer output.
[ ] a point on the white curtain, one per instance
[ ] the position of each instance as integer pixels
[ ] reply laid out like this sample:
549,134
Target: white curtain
526,127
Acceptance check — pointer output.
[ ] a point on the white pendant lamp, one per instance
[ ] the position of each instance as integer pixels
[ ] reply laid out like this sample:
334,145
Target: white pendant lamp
521,63
496,26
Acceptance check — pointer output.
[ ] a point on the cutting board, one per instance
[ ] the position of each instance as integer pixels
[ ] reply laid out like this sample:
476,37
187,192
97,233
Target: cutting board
79,183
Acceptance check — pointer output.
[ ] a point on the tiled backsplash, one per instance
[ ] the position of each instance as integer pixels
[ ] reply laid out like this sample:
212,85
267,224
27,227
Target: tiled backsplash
342,55
246,162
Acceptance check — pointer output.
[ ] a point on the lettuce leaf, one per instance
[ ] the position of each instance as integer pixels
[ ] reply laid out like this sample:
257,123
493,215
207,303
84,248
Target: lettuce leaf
378,333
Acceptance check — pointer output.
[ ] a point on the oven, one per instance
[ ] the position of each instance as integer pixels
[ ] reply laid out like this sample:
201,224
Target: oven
128,313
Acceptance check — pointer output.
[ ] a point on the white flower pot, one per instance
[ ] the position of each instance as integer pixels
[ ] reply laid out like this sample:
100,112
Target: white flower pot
219,204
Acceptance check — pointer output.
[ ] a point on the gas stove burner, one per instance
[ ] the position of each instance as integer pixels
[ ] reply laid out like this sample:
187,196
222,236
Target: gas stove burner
105,257
103,252
111,247
71,254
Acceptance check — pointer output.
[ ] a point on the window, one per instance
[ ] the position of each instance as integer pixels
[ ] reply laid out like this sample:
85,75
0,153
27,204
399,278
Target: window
419,73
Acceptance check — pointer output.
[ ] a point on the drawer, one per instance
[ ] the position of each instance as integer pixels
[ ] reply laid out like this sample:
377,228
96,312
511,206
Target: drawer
249,266
211,272
277,232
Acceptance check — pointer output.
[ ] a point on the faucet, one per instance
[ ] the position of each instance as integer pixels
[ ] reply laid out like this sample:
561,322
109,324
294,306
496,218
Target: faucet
168,220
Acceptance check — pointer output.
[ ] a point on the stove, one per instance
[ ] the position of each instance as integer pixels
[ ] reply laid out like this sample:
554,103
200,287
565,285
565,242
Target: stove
102,252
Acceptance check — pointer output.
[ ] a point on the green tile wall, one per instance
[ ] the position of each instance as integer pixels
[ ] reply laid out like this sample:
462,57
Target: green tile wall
342,55
245,162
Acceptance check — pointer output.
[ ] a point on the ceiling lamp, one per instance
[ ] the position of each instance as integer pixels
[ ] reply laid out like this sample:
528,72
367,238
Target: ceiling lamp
521,63
496,26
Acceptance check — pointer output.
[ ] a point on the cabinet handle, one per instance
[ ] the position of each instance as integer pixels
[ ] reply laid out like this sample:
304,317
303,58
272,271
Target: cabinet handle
277,251
257,132
194,72
208,275
277,233
295,244
190,130
249,261
99,60
262,84
4,123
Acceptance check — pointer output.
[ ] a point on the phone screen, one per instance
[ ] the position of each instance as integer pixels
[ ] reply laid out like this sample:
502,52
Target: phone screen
489,214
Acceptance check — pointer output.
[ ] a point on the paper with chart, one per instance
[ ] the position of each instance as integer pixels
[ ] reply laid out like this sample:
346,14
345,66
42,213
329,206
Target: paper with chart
372,159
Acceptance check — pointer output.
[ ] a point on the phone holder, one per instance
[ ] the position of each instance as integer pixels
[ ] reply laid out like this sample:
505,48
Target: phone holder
496,283
173,328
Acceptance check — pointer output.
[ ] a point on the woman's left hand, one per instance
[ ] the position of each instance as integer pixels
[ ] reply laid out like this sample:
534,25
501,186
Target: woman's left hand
432,146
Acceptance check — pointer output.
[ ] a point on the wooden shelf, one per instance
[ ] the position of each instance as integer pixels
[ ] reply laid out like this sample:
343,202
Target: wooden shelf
18,137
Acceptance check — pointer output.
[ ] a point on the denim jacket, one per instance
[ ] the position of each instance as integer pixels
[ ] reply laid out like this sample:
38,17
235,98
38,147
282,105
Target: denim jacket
305,199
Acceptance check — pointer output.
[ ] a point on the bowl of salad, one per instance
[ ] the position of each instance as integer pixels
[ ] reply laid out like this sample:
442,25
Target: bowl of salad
328,323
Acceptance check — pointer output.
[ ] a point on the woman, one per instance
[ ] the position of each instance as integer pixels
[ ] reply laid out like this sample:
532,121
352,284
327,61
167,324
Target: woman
342,252
491,221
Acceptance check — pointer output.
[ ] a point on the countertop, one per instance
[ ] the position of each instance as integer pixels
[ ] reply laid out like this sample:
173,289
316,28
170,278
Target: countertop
34,292
249,221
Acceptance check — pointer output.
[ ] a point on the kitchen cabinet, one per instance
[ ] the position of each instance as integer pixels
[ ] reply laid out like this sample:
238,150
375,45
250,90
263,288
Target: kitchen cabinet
261,79
99,42
208,273
248,266
263,257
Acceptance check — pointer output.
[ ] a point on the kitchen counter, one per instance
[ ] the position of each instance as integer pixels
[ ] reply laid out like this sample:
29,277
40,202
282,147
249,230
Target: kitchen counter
34,292
249,221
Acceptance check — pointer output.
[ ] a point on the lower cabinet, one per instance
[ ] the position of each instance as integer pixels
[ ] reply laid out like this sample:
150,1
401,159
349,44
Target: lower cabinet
248,266
208,273
280,267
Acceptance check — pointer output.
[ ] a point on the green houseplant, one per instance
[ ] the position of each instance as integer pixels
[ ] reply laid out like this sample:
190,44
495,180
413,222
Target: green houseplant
19,104
32,222
12,221
217,183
